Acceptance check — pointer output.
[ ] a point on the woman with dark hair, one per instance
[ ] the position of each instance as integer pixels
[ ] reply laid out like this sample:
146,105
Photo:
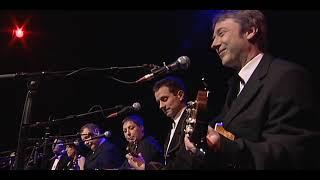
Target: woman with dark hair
76,159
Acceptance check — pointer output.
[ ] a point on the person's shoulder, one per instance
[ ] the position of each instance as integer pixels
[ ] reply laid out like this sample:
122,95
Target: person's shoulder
151,143
285,65
151,140
283,72
279,70
107,144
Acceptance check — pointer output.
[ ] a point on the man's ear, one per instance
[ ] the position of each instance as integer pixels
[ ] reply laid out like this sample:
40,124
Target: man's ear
180,94
96,132
251,33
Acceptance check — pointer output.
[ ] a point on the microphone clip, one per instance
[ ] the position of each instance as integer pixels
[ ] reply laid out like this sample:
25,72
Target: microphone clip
182,62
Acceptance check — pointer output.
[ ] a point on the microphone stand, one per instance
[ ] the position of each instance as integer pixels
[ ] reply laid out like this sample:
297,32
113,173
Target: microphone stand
37,158
19,157
33,158
44,150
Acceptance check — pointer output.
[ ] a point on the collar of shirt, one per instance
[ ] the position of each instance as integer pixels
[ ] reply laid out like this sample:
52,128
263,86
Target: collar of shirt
55,163
177,118
58,157
174,125
248,69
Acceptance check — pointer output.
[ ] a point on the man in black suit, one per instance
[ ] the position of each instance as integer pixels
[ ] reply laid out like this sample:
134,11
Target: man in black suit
60,159
139,143
170,94
104,155
270,105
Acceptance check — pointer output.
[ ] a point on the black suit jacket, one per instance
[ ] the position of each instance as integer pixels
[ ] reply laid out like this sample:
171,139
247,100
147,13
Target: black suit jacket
273,118
177,156
62,164
107,156
150,150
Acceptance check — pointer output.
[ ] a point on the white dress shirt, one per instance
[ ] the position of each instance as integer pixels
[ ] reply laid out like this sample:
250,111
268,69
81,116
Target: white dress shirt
174,126
55,163
248,69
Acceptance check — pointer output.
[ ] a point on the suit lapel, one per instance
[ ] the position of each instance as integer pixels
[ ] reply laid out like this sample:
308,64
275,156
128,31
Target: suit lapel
250,90
166,142
176,139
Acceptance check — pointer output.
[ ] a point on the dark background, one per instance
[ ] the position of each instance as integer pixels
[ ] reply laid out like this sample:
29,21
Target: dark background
59,40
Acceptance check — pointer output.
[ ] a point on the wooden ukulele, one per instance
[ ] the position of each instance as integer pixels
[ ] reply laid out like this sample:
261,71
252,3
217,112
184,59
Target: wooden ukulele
197,123
132,148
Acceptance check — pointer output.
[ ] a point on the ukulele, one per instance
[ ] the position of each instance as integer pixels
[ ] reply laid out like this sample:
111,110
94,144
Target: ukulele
196,123
132,148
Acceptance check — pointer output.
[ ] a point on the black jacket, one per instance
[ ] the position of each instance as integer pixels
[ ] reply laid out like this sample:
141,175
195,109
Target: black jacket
178,158
274,120
107,156
150,150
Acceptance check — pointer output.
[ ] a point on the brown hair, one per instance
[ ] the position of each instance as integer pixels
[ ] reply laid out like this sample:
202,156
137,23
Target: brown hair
247,19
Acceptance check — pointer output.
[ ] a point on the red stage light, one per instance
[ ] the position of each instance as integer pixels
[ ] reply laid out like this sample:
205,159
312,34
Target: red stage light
19,32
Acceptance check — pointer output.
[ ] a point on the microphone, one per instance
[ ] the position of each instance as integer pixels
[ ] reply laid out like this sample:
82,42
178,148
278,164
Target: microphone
106,134
128,109
75,143
182,62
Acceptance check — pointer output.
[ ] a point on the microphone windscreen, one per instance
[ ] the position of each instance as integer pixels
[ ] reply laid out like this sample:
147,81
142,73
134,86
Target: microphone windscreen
107,134
136,106
184,62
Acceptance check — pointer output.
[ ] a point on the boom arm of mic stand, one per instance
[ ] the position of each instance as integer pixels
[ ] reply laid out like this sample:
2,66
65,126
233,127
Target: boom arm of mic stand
86,114
54,121
47,74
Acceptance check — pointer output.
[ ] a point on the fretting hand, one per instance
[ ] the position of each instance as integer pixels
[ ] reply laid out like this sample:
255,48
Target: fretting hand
136,162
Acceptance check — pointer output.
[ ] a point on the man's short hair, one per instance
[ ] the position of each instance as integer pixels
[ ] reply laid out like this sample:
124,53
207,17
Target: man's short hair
246,19
134,118
92,127
58,142
173,83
